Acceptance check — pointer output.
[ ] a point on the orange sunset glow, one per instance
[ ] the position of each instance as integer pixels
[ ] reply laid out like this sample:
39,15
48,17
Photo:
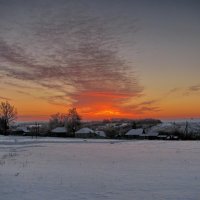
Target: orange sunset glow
116,61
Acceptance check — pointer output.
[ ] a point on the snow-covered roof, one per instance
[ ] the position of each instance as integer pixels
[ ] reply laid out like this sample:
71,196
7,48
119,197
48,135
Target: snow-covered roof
101,133
22,128
165,127
59,130
135,132
84,131
152,133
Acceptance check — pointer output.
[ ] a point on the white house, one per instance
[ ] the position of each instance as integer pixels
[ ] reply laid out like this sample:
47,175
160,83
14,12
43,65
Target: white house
100,134
151,134
23,129
59,131
135,133
85,133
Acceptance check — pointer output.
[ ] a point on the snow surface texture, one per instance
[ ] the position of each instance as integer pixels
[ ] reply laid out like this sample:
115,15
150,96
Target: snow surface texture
78,169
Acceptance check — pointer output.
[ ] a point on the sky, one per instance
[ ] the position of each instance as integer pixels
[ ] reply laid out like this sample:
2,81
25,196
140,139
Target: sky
109,59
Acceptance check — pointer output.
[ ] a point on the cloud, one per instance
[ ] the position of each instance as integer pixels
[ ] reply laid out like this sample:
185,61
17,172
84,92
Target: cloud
173,91
85,70
5,98
74,59
24,93
149,102
194,89
140,108
85,65
23,85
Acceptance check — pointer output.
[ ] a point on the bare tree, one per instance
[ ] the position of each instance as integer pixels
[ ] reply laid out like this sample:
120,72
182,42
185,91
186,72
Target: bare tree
73,121
57,120
8,114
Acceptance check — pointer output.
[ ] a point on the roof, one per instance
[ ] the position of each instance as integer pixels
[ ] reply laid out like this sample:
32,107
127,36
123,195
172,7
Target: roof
135,132
101,133
59,130
152,133
22,128
164,127
84,131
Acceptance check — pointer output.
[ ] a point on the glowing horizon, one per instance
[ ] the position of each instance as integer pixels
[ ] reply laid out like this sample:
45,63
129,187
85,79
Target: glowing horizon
109,60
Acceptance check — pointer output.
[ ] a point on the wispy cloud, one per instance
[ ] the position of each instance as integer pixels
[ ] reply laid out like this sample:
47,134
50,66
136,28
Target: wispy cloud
140,108
23,93
149,102
75,60
173,91
87,65
5,98
191,90
194,88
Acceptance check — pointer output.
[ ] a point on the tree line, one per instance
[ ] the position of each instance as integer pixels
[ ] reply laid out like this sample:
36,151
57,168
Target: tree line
70,120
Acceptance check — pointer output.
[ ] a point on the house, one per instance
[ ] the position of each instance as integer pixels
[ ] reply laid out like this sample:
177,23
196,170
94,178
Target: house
22,130
59,132
85,133
100,134
135,133
151,135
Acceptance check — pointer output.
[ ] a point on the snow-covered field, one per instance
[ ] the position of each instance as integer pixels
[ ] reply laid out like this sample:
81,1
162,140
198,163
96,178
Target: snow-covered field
78,169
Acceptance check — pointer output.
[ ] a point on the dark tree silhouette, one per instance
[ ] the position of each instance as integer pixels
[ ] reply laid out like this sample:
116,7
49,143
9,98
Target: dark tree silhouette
8,114
57,120
73,121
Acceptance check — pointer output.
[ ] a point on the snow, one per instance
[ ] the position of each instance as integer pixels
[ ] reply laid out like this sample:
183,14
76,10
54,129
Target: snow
71,169
135,132
152,133
59,130
24,129
84,131
101,133
171,127
165,127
